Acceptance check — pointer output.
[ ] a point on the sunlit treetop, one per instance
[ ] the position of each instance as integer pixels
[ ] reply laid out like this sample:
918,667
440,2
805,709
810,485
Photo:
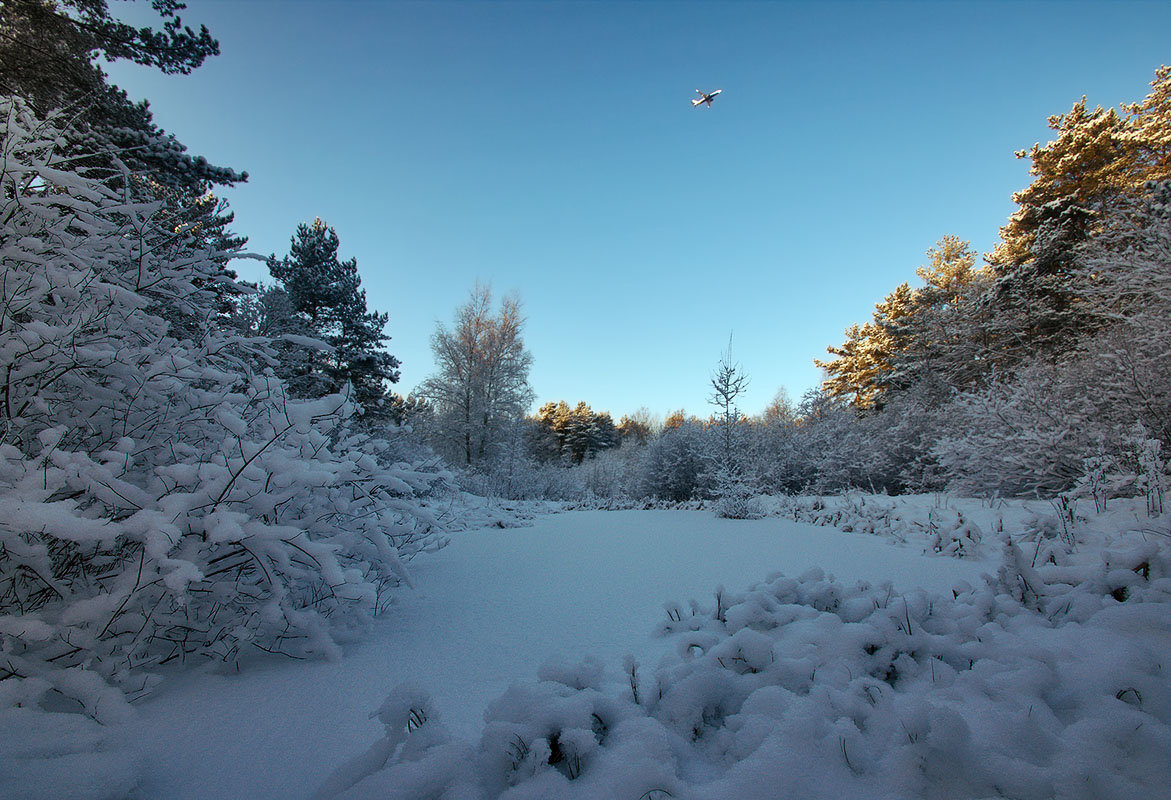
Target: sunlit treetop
1097,155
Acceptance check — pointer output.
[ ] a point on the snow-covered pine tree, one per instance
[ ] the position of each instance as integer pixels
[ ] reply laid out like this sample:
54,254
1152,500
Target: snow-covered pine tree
160,499
581,440
1099,158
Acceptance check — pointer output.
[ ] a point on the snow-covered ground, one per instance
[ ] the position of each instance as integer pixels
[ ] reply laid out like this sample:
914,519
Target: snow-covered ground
488,610
825,687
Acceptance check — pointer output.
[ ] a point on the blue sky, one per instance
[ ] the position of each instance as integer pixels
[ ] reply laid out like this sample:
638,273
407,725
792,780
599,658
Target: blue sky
550,149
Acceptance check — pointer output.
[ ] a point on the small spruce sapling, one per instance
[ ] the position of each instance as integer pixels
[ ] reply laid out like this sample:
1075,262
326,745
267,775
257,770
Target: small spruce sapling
734,490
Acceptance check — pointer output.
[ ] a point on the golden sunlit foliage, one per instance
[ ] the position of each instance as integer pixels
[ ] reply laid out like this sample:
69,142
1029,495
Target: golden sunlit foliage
909,331
1096,155
575,434
861,362
965,321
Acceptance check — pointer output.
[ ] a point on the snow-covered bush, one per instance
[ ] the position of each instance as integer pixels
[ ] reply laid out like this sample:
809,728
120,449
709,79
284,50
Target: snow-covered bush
523,479
1151,474
160,499
1096,480
779,459
1027,435
610,473
735,495
952,534
1032,434
942,530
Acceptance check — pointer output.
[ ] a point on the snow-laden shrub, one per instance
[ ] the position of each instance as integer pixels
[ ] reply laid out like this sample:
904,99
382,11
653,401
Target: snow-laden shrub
850,512
736,496
1097,481
590,503
160,499
944,531
952,534
1151,472
413,734
523,479
1043,682
1136,468
607,479
1027,435
613,474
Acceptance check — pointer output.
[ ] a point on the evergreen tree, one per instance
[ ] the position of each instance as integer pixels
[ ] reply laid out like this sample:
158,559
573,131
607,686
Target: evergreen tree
1098,157
935,333
48,55
547,436
48,58
1083,164
573,435
607,433
1148,134
582,436
863,363
734,488
324,292
943,340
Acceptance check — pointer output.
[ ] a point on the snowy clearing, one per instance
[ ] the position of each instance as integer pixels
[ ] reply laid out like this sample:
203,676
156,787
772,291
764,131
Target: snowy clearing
1045,681
489,610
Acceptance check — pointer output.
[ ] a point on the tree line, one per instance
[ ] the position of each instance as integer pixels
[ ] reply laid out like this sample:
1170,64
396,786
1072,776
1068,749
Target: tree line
1036,369
1014,375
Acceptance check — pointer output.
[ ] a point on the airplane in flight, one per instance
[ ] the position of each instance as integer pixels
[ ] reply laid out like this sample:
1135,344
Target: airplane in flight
705,97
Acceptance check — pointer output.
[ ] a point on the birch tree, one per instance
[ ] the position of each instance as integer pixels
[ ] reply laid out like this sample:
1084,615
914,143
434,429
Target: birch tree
481,383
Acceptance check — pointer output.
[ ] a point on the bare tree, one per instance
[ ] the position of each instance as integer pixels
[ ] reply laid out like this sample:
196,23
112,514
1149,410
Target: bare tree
482,379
